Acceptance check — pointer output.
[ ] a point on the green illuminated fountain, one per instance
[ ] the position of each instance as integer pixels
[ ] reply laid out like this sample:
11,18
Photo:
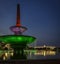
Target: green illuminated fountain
18,41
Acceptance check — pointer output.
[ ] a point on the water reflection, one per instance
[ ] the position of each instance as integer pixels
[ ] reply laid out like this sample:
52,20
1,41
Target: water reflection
28,54
5,54
45,53
40,54
9,55
19,55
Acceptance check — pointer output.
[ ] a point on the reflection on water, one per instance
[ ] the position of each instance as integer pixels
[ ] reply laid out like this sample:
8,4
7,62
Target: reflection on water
40,54
45,53
5,55
28,54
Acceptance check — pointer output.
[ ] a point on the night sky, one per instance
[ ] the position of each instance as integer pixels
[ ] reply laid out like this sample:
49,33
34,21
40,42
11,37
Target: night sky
41,17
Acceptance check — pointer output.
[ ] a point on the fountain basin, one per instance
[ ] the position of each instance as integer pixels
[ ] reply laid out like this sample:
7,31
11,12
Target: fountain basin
17,41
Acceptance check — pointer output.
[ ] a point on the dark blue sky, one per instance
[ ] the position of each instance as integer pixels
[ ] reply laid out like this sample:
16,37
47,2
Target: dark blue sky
41,17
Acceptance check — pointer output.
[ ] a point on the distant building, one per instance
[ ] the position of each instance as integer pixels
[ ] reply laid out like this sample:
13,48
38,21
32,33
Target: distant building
49,47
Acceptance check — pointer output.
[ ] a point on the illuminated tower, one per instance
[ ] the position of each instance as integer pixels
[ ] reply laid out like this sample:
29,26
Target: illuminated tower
18,29
17,41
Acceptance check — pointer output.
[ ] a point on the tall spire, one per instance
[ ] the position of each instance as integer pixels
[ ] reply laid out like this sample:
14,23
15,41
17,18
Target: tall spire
18,29
18,16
